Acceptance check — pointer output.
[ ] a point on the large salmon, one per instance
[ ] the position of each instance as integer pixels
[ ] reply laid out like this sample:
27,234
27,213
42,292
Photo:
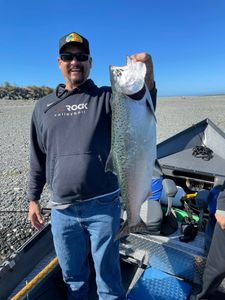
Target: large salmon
133,145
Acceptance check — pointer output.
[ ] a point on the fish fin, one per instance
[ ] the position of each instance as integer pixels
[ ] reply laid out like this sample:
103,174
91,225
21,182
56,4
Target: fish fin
109,166
124,231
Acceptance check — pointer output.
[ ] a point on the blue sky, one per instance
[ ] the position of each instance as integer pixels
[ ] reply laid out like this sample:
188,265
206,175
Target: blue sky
185,38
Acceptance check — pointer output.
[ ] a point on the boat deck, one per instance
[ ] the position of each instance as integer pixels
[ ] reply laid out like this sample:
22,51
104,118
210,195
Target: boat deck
168,254
184,261
138,252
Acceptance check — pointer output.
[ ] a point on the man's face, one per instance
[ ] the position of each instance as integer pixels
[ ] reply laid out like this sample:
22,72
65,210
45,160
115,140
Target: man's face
74,72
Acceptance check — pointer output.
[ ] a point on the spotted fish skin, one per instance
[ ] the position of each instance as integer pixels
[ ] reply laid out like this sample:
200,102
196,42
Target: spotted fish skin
133,147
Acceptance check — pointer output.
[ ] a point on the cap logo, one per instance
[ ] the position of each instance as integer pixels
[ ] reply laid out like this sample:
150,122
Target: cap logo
73,37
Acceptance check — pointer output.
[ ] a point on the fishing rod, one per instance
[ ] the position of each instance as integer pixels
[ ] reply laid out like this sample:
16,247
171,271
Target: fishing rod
44,210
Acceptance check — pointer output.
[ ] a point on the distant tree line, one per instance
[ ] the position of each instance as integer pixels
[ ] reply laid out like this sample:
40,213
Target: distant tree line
13,92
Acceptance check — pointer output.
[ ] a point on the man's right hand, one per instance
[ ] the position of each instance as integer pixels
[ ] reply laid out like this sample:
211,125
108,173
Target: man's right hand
34,215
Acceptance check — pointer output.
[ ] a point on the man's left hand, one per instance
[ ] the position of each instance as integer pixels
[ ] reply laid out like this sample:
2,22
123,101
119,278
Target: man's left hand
146,58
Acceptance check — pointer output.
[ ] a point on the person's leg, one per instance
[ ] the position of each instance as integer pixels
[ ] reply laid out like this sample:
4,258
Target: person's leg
103,226
71,243
215,266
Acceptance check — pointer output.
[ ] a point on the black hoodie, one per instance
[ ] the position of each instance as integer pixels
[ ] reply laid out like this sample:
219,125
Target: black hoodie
70,143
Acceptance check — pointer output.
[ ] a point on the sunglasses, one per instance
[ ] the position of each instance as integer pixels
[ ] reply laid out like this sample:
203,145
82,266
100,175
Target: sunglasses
70,56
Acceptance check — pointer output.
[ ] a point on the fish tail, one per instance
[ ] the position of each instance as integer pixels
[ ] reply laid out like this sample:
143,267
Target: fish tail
125,230
140,227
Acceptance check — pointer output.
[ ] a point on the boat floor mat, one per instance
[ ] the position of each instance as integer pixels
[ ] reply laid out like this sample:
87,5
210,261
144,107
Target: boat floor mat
155,284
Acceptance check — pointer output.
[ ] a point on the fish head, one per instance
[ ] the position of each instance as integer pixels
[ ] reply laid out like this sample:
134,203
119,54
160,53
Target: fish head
128,79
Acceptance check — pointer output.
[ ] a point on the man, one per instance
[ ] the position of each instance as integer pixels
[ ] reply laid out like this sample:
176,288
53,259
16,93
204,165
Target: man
215,266
70,142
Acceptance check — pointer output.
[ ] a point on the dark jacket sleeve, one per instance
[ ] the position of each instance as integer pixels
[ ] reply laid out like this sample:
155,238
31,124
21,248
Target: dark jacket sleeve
37,177
153,94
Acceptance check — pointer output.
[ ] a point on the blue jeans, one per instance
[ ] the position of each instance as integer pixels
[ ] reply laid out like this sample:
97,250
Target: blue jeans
83,227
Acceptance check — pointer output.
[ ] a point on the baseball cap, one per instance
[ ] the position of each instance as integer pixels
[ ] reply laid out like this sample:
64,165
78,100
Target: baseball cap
75,38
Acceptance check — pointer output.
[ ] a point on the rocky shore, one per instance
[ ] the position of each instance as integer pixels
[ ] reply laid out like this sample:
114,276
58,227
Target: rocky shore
10,92
14,157
173,115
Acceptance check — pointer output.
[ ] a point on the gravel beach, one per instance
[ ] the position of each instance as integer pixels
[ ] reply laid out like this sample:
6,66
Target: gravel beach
173,115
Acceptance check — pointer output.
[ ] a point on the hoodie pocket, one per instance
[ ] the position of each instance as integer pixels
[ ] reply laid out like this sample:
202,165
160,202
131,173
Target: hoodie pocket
78,174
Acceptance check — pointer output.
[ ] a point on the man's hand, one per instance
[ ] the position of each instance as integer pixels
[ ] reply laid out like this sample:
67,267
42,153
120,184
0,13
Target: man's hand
221,220
34,215
146,58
